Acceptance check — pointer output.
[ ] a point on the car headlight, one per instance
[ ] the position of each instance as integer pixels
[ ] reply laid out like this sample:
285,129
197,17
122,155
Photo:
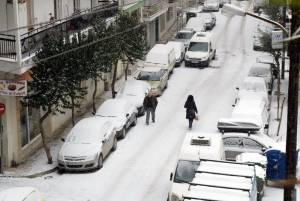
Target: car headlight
204,58
187,57
92,157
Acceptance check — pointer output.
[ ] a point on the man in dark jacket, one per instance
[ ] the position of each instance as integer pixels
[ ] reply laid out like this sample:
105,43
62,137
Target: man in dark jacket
150,103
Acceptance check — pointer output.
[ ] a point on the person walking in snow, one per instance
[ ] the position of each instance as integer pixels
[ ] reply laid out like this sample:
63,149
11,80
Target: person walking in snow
150,103
191,110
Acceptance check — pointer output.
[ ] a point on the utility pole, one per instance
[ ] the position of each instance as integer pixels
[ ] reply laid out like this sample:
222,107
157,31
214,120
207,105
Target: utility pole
292,114
284,46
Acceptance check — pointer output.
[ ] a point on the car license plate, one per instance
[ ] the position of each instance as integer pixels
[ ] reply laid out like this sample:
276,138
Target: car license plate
194,61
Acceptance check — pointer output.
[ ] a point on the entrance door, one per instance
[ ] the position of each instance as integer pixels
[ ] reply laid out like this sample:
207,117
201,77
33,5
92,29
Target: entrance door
157,29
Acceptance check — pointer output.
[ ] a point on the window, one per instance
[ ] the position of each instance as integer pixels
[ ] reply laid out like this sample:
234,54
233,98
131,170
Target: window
185,171
198,46
233,142
29,120
252,144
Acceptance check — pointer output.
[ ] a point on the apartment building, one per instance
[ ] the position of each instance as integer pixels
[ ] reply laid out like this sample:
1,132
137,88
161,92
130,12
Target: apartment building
19,128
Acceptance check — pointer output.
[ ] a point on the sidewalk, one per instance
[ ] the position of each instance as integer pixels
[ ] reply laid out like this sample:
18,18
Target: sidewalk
37,165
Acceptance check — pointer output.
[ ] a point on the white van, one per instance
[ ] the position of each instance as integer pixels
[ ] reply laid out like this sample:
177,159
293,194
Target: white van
249,115
161,55
196,146
201,50
179,51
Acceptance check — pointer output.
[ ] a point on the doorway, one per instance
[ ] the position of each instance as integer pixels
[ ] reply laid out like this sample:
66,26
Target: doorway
156,29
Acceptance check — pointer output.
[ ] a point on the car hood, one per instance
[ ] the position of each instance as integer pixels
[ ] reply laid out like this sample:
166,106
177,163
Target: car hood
137,101
117,122
79,149
196,55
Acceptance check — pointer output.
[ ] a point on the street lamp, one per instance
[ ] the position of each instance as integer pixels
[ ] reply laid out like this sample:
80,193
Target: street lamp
232,10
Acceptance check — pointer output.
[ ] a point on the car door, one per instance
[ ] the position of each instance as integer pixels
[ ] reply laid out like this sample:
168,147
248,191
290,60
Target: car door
107,141
233,146
128,114
252,146
164,78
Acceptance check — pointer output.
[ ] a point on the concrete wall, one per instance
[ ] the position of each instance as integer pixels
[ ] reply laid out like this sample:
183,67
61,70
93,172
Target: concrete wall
3,17
41,10
67,8
85,4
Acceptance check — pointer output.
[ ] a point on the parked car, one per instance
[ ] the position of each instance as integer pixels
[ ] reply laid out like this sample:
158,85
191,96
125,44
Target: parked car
211,5
201,50
135,91
179,51
156,77
185,35
196,146
162,56
209,20
253,86
87,144
192,12
237,143
196,23
249,115
268,59
120,112
21,194
263,71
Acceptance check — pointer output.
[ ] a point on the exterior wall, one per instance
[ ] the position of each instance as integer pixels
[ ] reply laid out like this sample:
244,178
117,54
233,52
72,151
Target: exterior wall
22,17
3,17
85,4
67,8
41,10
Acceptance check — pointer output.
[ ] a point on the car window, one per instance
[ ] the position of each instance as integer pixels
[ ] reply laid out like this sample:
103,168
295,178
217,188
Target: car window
232,142
185,171
184,35
34,196
198,46
150,76
250,143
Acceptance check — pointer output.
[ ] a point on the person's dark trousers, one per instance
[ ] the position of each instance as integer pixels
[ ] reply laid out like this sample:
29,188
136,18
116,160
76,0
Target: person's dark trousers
190,123
148,111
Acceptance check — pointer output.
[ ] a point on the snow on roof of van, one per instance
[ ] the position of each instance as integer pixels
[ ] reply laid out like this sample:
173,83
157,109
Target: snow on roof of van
201,36
213,151
261,65
212,193
237,182
227,168
159,54
160,48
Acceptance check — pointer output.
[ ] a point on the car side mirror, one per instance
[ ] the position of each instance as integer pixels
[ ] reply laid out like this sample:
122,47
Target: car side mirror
127,115
94,113
266,126
171,176
237,88
62,139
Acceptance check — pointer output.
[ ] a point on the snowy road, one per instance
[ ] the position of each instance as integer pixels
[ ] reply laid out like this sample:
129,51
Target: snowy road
139,169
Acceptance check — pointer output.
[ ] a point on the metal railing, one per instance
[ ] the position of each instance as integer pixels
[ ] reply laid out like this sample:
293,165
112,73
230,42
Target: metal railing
31,41
153,9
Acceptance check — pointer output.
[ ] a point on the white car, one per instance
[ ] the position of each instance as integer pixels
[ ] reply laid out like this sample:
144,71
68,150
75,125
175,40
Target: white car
21,194
211,5
120,112
179,51
185,35
87,144
253,86
135,91
264,71
237,143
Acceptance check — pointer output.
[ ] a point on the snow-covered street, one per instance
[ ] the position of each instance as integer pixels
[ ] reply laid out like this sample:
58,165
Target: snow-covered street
140,167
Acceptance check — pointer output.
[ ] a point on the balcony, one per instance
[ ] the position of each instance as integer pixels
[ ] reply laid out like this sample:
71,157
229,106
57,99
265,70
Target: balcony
32,41
150,12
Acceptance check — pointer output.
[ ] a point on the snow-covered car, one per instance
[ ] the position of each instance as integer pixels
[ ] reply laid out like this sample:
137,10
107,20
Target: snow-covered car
135,91
21,194
120,112
179,51
185,35
209,20
211,5
264,71
252,86
87,144
155,76
196,23
237,143
249,115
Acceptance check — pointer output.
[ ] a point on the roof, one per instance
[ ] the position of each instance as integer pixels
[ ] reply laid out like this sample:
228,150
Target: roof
186,30
160,49
195,152
201,36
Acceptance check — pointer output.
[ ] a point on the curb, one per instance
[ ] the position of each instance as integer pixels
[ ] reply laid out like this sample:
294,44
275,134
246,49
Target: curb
31,176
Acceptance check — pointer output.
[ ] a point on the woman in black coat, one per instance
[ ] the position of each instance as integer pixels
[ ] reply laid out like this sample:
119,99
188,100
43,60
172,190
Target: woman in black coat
191,110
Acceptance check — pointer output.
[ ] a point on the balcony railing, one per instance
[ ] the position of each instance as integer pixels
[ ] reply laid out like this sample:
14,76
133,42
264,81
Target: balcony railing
32,41
149,11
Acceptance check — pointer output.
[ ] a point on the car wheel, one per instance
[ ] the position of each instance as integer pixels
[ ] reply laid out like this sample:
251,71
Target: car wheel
123,133
114,147
134,121
60,171
166,86
100,162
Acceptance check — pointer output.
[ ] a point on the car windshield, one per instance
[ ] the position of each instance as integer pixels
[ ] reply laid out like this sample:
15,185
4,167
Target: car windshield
150,76
184,35
198,47
82,137
185,171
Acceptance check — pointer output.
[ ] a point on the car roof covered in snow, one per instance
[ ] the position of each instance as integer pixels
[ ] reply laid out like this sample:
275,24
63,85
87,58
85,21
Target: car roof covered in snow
251,79
113,107
209,146
212,193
